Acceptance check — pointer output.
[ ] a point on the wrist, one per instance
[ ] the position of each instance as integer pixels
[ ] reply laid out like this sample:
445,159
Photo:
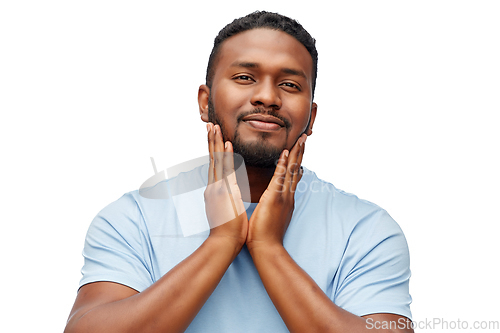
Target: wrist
226,243
260,249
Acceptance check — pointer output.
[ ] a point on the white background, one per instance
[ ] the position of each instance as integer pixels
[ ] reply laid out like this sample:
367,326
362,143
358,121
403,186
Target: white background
408,96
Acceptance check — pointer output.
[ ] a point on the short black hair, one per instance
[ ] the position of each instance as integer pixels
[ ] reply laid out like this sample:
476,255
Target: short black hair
263,19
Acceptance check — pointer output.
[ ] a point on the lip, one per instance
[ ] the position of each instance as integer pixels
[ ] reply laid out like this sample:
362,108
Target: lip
263,126
264,120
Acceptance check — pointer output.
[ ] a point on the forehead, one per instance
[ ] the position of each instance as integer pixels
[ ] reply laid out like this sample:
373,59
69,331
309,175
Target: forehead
269,48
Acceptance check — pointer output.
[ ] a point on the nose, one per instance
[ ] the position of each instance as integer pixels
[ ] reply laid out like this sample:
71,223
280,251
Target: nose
266,94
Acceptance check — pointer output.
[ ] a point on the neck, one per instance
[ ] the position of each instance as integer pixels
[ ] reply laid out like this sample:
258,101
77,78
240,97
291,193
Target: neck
258,180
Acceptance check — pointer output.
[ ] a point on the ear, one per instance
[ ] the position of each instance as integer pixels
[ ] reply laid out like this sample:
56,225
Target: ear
203,96
314,109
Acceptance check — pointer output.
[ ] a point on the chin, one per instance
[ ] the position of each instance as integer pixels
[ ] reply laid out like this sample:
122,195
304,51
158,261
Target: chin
257,154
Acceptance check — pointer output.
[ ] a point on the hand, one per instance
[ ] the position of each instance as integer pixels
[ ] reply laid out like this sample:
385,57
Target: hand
223,203
271,217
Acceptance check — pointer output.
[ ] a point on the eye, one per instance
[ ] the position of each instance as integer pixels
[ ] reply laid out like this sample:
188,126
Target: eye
291,85
243,78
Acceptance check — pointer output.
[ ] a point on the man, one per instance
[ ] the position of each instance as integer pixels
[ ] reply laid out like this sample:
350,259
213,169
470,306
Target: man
309,260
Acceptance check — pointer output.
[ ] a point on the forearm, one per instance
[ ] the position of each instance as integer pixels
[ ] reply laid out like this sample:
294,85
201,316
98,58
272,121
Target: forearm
171,303
301,303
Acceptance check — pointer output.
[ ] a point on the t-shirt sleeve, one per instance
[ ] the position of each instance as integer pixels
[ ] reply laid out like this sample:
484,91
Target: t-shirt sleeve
113,249
376,269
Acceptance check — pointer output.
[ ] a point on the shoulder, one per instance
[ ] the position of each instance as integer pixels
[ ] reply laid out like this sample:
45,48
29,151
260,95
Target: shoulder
121,219
356,218
344,204
158,200
126,205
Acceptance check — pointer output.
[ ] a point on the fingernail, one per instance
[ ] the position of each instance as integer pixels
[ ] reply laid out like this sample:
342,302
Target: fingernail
225,145
286,153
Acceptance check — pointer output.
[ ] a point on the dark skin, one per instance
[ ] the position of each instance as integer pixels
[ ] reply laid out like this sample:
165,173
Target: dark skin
258,68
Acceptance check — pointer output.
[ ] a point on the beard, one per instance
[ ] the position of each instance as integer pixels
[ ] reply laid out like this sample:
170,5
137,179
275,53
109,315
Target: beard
259,154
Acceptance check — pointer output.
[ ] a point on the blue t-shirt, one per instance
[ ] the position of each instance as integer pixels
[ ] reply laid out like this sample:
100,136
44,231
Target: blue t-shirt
353,249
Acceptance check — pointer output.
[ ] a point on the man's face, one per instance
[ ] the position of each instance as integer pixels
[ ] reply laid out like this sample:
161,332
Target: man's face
261,94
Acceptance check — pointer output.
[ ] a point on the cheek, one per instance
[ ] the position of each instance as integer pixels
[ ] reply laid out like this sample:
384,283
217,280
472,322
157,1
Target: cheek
227,113
230,98
229,103
300,118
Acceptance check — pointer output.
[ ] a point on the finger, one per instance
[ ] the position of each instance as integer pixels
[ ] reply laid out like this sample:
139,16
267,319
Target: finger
298,174
228,173
278,183
228,160
301,154
219,153
210,152
293,166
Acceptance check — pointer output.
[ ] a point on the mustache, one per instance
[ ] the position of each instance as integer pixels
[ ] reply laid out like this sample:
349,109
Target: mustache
270,112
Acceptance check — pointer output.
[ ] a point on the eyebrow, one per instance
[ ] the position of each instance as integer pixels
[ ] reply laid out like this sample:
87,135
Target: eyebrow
290,71
294,72
245,64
